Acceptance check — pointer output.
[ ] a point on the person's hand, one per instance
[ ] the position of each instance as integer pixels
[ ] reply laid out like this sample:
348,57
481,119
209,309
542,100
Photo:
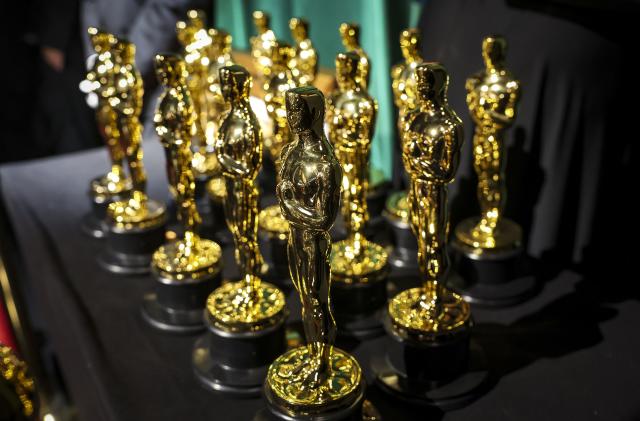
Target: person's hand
53,57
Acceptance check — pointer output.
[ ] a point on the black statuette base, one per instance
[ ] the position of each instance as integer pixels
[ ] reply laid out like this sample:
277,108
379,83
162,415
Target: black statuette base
177,306
448,373
236,364
492,279
405,246
357,308
351,410
128,252
275,254
93,223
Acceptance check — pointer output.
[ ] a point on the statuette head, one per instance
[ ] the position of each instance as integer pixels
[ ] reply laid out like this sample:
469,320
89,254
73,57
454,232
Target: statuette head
235,81
494,49
410,43
432,82
299,29
170,69
305,109
350,33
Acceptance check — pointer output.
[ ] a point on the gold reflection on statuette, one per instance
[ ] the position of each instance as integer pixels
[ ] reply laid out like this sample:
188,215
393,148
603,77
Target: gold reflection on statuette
492,96
309,195
403,84
16,373
432,137
351,116
198,48
304,64
403,81
125,100
100,81
278,83
262,43
249,304
350,34
188,255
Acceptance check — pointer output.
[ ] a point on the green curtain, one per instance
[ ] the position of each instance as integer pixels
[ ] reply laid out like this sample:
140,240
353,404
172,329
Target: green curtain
380,24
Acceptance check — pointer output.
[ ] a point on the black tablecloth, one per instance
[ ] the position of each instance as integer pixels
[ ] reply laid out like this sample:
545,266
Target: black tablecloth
572,352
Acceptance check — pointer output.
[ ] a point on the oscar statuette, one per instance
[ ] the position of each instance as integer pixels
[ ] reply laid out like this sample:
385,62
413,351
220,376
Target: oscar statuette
376,193
428,358
488,249
205,51
316,380
98,85
262,44
19,396
136,225
358,266
404,254
220,56
273,227
245,319
188,267
304,64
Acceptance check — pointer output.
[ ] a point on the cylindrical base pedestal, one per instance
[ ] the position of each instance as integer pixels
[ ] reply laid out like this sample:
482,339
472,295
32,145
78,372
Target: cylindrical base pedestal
273,234
129,251
236,363
275,255
349,410
376,199
93,223
405,251
448,372
358,306
177,306
494,278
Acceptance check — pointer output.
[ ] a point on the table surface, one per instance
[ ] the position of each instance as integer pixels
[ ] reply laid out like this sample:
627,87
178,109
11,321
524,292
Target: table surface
570,352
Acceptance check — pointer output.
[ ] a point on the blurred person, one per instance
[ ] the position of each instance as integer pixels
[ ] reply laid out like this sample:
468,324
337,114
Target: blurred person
62,120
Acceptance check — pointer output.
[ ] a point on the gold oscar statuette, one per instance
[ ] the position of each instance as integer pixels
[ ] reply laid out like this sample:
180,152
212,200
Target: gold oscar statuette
278,83
126,101
249,304
98,85
220,56
135,224
188,256
304,64
262,43
403,80
17,385
431,140
317,378
350,118
350,34
197,44
403,84
492,97
430,358
101,81
245,319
